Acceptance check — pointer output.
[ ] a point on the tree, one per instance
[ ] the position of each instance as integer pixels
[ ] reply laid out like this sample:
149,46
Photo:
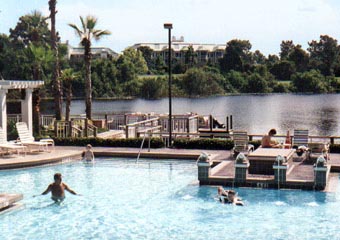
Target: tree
104,77
257,84
237,56
286,48
300,58
130,64
147,54
283,70
258,58
153,88
39,58
31,28
68,76
324,54
56,67
197,82
86,34
136,57
237,79
312,82
190,57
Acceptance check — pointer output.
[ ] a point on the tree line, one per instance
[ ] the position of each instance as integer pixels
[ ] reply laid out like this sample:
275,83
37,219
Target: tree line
27,53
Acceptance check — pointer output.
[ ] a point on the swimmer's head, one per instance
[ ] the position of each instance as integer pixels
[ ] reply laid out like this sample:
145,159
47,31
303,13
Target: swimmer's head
57,177
88,146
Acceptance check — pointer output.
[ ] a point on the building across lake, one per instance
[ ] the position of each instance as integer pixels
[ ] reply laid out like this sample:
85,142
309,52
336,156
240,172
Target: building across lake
203,52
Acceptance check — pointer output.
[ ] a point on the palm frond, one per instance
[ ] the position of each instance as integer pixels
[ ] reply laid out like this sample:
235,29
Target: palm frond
91,22
83,24
99,33
77,30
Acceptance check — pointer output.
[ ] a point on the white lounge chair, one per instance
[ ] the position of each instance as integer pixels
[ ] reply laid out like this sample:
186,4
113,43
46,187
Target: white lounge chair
8,147
300,143
241,144
27,139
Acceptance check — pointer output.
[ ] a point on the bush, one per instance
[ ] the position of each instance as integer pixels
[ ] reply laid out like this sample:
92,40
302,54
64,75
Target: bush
204,143
99,142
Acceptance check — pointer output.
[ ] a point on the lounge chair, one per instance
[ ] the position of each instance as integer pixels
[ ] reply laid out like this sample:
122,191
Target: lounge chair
27,139
8,147
241,144
300,143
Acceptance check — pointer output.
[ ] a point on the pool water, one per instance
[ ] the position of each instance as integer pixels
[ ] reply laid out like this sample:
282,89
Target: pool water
158,200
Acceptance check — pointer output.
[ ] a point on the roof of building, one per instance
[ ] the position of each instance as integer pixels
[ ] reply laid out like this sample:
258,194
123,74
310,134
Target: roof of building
20,84
182,46
94,50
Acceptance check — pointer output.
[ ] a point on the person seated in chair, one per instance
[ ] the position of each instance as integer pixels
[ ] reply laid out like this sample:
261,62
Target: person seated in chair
267,142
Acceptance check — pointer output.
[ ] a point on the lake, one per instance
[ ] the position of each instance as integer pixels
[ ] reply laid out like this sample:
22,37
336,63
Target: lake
255,113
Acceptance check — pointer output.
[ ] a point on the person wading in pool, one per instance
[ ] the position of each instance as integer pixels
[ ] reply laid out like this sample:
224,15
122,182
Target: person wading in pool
58,189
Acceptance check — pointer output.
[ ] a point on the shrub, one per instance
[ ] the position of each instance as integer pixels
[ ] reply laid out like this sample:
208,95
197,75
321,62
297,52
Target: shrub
204,143
99,142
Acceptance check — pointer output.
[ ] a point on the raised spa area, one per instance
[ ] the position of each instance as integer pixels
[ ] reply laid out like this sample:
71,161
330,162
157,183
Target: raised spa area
158,199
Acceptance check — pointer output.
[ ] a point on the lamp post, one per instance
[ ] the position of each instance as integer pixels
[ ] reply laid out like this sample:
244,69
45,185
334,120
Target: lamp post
169,27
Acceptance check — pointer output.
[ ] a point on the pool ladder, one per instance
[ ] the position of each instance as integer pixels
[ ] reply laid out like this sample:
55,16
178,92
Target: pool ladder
141,146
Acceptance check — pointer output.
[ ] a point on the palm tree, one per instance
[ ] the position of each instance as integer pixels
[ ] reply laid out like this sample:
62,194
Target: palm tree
56,66
67,76
39,58
86,33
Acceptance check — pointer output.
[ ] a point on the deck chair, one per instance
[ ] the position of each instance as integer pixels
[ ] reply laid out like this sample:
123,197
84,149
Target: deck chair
27,139
241,144
300,143
9,147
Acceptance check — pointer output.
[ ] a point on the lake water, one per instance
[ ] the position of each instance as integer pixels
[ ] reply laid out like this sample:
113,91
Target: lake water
254,113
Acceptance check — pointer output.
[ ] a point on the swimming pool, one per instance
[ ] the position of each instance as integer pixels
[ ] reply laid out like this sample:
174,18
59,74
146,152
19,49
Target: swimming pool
158,200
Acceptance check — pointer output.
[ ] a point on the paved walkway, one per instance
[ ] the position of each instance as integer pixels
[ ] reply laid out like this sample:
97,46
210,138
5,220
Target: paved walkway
61,153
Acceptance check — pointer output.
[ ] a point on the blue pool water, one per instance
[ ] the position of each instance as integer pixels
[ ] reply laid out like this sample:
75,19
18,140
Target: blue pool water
159,200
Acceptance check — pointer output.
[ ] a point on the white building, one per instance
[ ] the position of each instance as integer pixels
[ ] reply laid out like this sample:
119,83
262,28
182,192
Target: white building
77,53
204,52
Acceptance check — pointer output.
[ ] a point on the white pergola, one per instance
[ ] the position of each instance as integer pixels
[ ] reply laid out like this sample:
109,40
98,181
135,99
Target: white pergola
26,104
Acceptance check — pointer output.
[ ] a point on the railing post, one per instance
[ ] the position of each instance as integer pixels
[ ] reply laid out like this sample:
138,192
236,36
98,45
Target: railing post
211,123
70,129
106,122
188,126
86,127
56,128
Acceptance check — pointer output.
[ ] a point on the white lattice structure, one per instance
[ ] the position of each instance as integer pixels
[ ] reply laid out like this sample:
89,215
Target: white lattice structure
26,104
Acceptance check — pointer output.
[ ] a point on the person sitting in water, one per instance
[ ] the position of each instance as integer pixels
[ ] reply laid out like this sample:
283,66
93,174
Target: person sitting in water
228,196
58,189
267,142
222,193
88,154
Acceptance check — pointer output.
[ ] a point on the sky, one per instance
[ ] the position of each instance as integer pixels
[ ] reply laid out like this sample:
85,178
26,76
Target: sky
265,23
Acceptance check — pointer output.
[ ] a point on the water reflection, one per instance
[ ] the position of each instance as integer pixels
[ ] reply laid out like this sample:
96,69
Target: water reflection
254,113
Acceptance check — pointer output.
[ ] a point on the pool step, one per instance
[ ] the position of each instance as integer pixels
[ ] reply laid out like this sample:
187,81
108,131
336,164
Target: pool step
9,201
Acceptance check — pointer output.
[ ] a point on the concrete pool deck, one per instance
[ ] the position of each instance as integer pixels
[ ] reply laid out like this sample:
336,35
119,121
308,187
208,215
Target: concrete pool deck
63,153
300,174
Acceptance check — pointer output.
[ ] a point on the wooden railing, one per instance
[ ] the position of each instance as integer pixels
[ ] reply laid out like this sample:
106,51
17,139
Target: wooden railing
79,127
135,129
